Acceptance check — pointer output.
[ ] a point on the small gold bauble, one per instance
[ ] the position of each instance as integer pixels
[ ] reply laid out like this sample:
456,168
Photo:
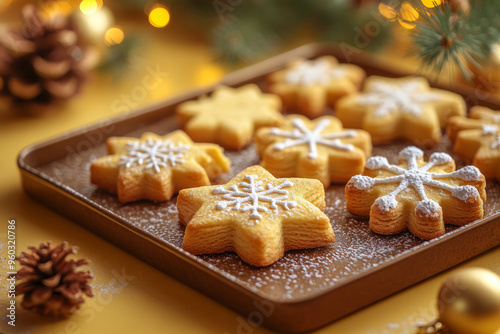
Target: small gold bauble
469,302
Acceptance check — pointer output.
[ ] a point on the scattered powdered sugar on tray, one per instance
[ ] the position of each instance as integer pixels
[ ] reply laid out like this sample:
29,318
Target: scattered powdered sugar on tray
300,273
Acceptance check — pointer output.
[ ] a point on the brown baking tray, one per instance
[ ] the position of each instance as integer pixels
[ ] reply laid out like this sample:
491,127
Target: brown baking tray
304,290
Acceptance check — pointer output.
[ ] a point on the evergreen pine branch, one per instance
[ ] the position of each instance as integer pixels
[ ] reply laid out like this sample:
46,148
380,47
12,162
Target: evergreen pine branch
255,28
443,37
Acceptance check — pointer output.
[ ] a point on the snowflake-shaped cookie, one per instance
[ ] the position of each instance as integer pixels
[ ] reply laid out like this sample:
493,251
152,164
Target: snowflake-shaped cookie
416,195
405,108
256,215
230,116
309,86
477,139
155,167
320,149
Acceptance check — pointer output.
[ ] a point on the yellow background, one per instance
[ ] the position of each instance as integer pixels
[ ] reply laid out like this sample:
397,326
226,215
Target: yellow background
131,296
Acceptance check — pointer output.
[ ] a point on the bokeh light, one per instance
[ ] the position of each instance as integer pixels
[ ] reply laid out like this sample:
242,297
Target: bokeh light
159,16
431,3
208,74
89,7
50,9
387,11
114,36
407,15
93,27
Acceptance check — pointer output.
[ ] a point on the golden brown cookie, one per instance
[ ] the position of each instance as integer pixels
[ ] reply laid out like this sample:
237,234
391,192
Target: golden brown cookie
416,195
309,86
155,167
321,149
405,108
230,116
478,116
477,139
256,215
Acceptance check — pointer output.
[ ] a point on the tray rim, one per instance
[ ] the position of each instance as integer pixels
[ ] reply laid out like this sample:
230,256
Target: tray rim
193,260
231,79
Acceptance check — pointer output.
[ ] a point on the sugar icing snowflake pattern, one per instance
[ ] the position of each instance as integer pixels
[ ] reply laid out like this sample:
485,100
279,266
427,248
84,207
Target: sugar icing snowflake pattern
492,130
477,138
155,167
302,135
406,97
153,153
217,218
246,196
314,72
418,178
308,87
416,195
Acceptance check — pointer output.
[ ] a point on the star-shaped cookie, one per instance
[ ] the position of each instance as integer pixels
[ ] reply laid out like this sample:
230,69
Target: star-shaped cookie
230,116
256,215
155,167
320,149
309,86
477,139
416,195
405,108
478,116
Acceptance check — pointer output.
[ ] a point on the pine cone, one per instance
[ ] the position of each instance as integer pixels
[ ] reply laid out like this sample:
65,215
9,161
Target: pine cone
50,284
43,62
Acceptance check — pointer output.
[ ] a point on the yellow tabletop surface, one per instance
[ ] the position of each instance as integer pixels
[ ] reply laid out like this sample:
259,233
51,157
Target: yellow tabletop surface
130,295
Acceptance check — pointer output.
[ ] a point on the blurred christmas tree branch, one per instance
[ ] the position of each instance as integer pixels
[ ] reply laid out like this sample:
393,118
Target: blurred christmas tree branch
456,33
246,30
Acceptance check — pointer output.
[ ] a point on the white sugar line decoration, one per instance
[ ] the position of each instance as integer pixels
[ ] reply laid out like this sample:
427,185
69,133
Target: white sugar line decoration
387,98
302,135
496,143
153,154
418,178
311,72
247,198
490,129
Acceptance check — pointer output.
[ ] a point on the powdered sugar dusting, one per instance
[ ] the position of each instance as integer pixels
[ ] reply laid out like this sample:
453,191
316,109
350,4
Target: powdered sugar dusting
153,154
376,162
417,178
440,158
428,208
247,195
299,274
311,72
411,153
302,135
407,97
489,129
386,203
468,173
362,182
465,193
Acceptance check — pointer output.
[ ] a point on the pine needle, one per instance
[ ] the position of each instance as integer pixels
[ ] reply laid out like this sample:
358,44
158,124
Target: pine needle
443,38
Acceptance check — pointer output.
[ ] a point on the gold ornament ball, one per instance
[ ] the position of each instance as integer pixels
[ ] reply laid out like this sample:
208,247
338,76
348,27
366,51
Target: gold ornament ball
469,302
